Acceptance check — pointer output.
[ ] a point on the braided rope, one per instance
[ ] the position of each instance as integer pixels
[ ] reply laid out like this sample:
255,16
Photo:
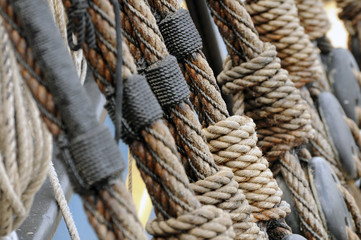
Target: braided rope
302,197
233,144
205,96
313,18
277,22
25,143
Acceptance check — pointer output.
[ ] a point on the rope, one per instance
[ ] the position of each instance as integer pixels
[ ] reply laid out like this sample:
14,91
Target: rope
233,143
277,22
25,144
313,18
205,96
302,196
357,136
353,209
116,224
271,99
63,204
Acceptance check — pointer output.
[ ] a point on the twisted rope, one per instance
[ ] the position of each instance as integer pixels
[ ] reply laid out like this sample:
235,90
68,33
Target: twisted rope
302,197
270,97
141,25
38,86
313,18
25,144
277,22
233,144
205,96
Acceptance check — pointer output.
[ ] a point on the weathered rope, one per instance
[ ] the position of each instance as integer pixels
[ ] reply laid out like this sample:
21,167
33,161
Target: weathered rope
313,18
277,22
38,85
205,95
63,204
355,130
303,198
271,99
25,143
233,144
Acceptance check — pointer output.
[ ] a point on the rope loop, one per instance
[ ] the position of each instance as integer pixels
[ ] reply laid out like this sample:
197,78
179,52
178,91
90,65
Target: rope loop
206,222
80,24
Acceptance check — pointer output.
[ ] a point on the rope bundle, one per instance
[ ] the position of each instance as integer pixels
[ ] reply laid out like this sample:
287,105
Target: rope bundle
277,22
25,143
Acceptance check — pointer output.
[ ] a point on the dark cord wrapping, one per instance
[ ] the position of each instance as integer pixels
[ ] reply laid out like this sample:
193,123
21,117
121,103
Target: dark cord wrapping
180,34
167,82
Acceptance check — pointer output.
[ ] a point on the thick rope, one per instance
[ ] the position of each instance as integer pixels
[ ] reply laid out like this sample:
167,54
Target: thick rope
38,86
233,144
277,22
205,96
355,130
302,196
271,99
141,24
313,18
25,143
63,204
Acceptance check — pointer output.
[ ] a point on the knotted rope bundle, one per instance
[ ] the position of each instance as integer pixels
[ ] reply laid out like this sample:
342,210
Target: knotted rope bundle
313,18
25,143
222,191
271,99
277,22
233,144
33,72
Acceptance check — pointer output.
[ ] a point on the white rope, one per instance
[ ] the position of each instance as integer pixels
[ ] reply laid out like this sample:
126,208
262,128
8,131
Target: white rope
63,204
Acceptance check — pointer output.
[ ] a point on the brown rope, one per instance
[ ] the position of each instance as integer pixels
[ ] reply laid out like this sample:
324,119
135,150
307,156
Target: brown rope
313,18
353,209
271,99
146,44
37,84
302,196
206,96
277,22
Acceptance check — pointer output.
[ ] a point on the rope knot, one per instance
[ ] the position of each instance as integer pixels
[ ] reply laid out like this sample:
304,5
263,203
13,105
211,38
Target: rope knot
80,25
233,143
251,73
206,222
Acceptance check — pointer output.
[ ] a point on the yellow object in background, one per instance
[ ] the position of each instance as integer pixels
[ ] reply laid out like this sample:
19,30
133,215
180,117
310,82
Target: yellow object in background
139,192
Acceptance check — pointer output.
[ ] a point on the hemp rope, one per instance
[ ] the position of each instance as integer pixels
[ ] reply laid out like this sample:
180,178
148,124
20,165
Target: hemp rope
25,144
233,201
313,18
271,99
142,26
37,84
355,130
277,22
226,12
303,198
63,204
205,93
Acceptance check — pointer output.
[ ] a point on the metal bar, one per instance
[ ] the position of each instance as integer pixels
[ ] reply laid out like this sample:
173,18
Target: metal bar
45,215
